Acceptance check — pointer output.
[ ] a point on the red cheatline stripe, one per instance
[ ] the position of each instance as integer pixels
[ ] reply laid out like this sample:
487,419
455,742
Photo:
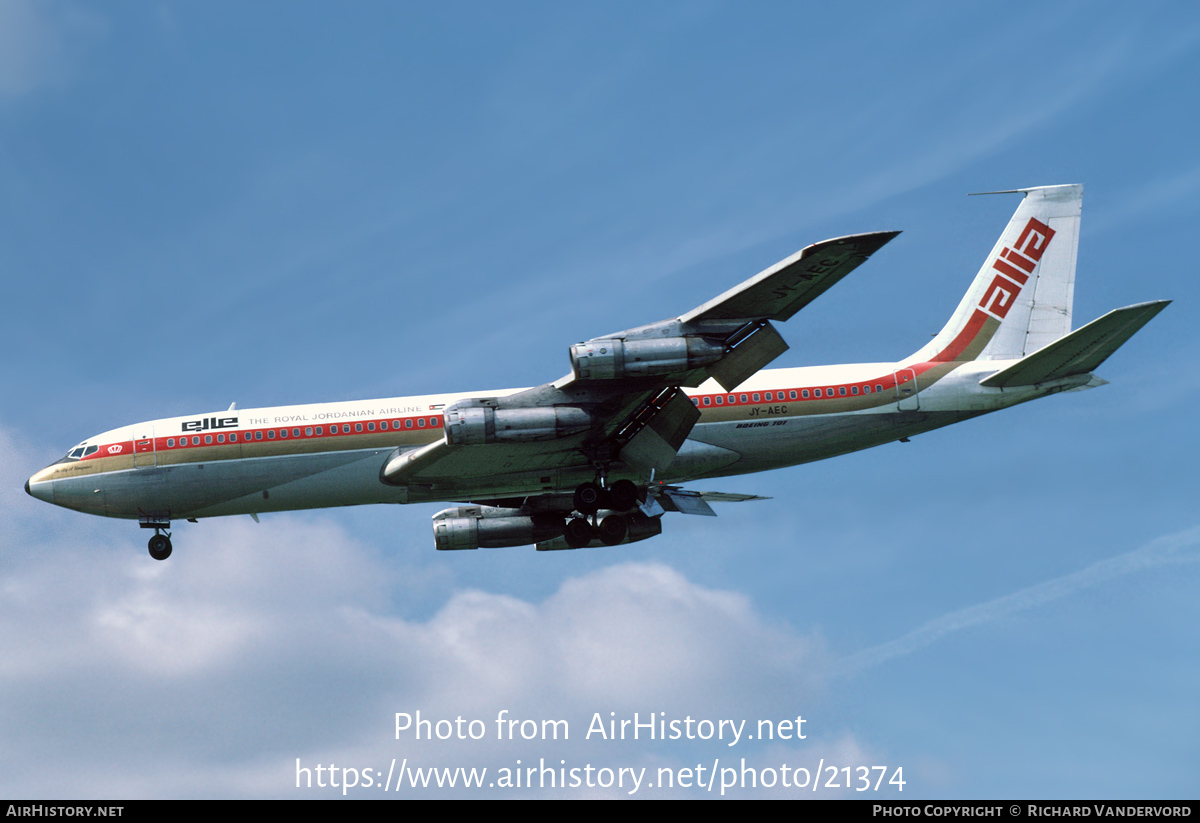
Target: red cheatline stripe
247,436
964,338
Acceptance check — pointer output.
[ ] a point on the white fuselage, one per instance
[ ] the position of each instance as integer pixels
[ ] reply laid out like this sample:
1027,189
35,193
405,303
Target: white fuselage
251,461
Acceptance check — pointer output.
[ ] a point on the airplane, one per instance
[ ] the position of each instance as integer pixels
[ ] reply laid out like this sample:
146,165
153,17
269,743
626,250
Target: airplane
598,456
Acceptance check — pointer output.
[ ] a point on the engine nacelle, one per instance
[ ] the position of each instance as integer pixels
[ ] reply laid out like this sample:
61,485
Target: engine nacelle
609,358
485,527
475,425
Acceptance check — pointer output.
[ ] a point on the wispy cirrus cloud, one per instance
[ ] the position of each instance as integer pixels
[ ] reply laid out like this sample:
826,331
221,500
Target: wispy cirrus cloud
1171,549
40,42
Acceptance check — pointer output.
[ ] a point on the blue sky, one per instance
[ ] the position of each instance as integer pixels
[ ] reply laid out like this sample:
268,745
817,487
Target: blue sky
287,203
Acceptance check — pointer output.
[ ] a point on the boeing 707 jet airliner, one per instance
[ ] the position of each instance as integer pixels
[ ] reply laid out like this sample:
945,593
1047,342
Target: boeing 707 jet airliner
598,456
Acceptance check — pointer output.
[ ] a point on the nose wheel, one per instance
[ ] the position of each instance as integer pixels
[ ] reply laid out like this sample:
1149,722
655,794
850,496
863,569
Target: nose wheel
160,546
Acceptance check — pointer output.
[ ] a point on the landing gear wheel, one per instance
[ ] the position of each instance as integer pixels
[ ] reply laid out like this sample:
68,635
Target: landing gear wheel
578,533
160,547
613,530
624,495
588,497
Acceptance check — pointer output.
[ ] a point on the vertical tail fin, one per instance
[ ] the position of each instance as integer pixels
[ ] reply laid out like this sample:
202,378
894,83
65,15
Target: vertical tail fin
1021,299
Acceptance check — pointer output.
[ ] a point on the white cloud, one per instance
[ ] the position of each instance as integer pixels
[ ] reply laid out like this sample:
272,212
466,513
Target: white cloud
255,645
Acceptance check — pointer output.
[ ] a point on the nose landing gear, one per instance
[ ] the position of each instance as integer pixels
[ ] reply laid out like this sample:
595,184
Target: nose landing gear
160,546
160,543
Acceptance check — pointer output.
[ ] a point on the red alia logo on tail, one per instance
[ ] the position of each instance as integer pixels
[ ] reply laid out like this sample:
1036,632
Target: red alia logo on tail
1029,248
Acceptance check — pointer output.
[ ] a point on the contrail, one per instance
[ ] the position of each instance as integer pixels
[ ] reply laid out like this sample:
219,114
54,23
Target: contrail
1167,550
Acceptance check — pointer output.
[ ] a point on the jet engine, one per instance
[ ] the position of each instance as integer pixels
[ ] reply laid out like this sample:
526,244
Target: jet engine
472,425
488,527
612,358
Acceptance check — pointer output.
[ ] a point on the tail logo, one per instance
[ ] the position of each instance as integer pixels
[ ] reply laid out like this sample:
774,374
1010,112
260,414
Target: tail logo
1014,266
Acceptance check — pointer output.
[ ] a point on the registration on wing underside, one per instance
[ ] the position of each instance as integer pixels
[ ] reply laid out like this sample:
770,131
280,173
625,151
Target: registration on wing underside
791,284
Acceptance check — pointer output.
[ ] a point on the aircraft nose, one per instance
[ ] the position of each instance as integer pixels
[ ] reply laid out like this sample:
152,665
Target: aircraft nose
43,490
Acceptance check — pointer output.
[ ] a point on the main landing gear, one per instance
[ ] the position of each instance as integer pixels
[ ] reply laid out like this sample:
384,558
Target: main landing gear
590,498
160,545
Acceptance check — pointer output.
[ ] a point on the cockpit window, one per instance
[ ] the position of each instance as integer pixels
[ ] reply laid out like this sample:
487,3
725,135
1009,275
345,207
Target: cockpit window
74,454
79,452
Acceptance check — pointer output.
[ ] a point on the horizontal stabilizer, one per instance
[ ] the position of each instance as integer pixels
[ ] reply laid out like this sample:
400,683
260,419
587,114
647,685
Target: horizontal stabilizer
686,501
791,284
1080,352
730,497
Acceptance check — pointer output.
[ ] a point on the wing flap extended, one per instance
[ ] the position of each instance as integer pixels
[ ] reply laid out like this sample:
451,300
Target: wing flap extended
656,443
793,283
1080,352
752,353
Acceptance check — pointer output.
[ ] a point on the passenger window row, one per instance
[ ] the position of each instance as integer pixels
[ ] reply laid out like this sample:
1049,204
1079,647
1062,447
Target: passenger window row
307,431
786,394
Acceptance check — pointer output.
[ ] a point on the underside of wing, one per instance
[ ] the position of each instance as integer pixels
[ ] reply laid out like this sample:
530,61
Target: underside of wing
469,465
791,284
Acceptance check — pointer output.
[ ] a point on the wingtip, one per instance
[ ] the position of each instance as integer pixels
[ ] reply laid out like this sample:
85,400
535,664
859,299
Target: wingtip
1153,305
882,238
873,240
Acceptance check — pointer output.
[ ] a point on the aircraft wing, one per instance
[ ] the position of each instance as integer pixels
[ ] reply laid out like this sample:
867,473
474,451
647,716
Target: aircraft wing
622,408
791,284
